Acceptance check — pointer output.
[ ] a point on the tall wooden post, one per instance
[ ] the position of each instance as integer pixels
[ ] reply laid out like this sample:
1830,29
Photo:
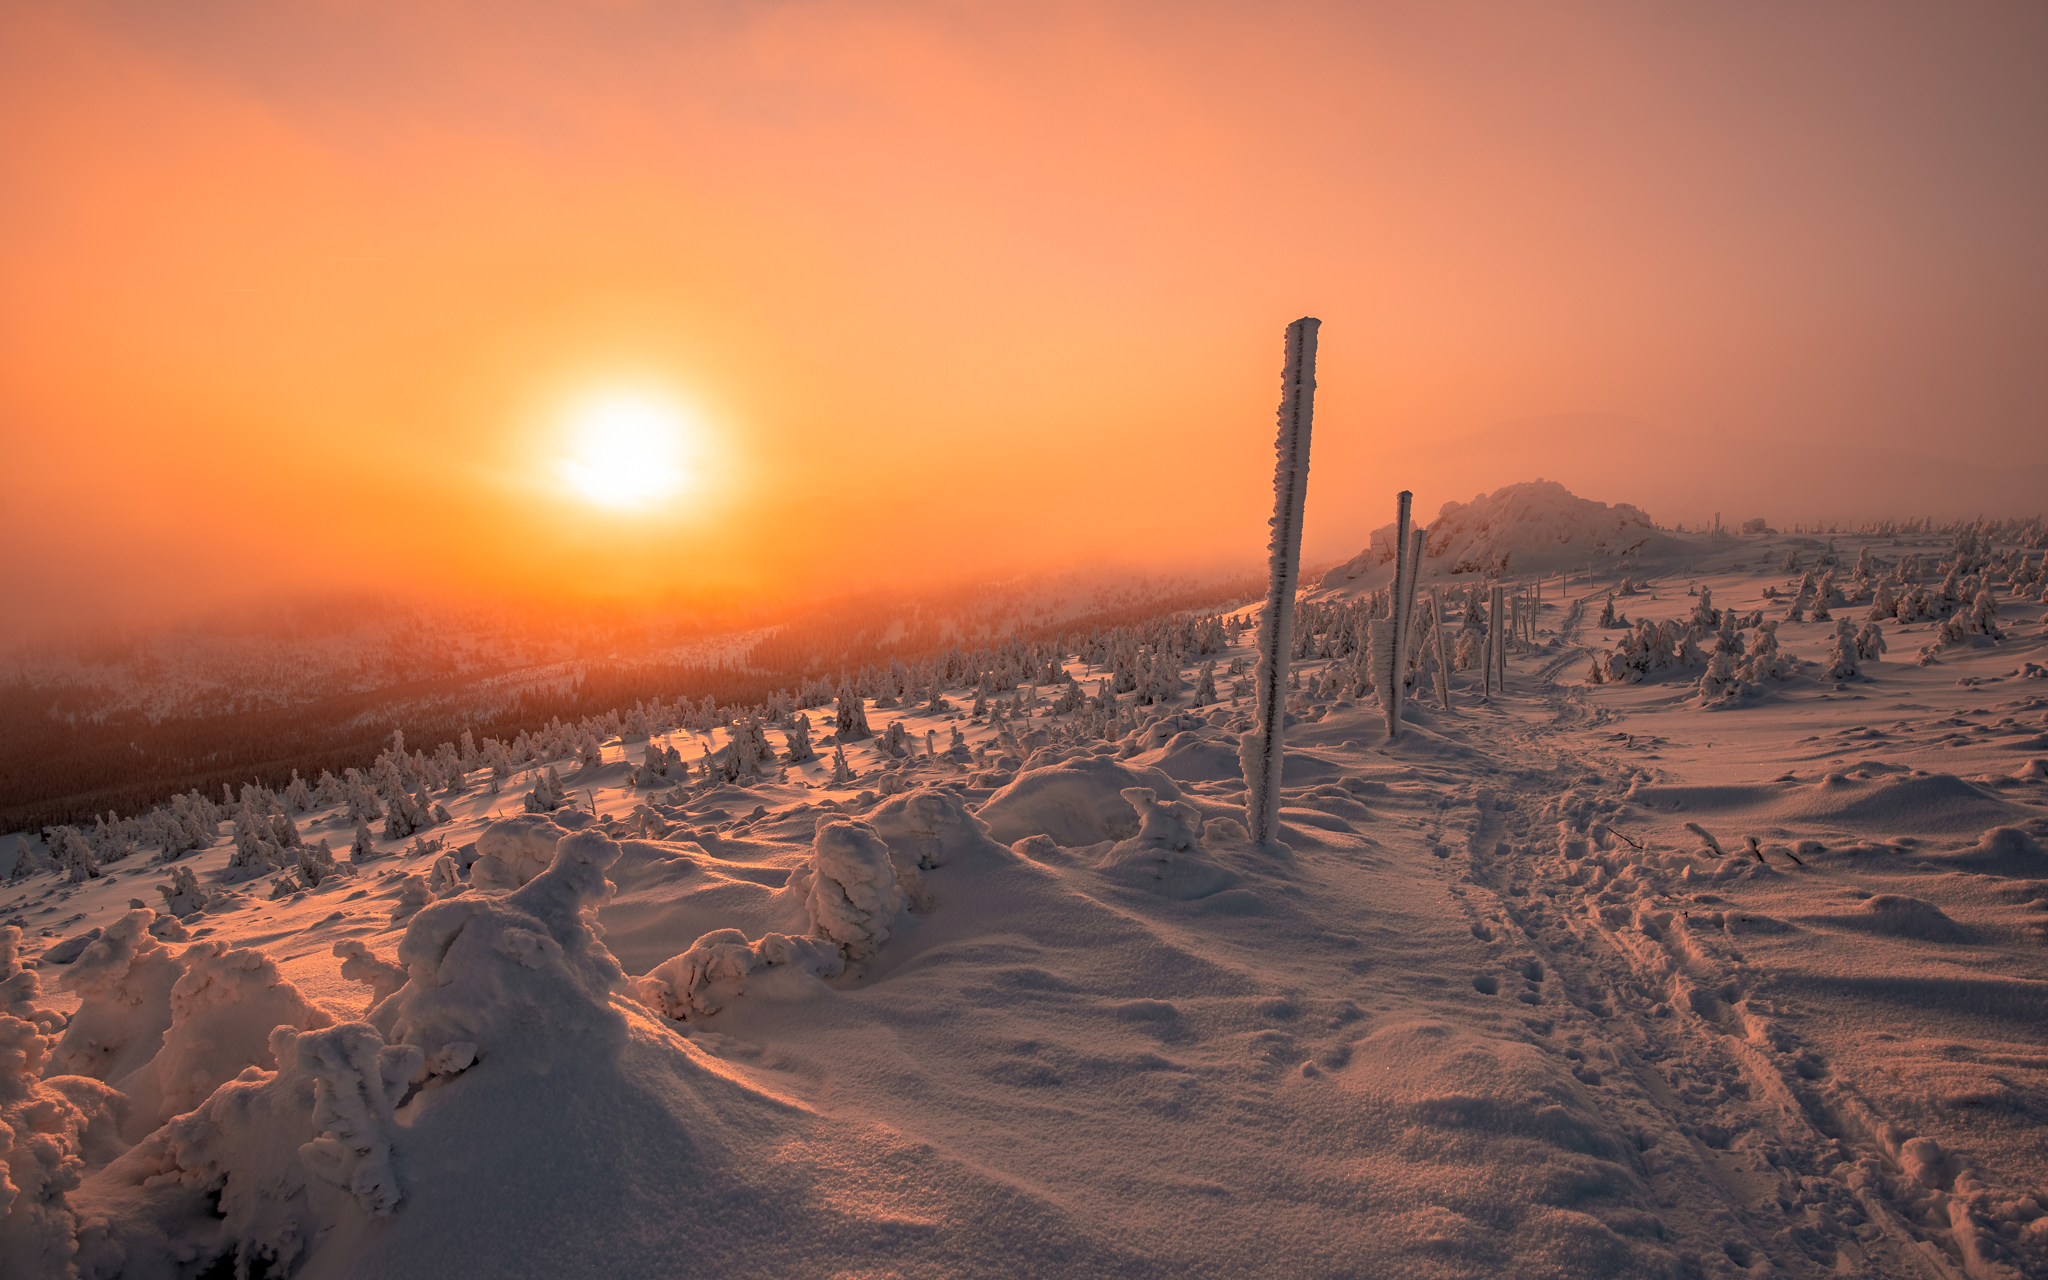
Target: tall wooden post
1260,748
1397,615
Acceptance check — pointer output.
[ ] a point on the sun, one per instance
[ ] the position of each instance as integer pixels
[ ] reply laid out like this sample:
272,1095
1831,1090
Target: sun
626,451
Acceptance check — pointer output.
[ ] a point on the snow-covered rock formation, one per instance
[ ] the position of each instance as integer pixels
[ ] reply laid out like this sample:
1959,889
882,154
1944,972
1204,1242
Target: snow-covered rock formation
1535,527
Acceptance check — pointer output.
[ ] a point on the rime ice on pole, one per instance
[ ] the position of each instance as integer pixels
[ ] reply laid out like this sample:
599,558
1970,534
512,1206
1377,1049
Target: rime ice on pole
1396,648
1260,748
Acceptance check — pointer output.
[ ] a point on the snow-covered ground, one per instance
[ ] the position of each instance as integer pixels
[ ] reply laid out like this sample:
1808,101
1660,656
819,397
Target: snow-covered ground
1501,1007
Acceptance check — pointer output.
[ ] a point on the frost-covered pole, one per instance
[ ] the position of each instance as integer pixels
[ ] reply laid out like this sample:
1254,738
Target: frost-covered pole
1492,640
1398,614
1443,656
1500,637
1260,749
1409,633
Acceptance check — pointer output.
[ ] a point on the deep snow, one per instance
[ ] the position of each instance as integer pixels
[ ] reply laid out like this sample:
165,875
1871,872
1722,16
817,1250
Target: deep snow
1500,1008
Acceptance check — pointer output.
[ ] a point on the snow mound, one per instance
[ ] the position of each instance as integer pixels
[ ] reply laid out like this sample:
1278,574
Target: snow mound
514,850
671,892
1924,804
51,1132
1187,757
299,1143
1077,802
360,964
930,828
1535,527
224,1007
553,1127
1166,856
1898,916
123,983
850,889
723,964
21,988
269,1164
2005,851
523,974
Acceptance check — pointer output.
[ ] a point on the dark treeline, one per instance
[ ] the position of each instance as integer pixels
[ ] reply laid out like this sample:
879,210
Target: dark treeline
64,770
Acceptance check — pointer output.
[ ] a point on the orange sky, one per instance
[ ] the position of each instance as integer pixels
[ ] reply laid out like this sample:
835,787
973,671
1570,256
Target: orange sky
292,295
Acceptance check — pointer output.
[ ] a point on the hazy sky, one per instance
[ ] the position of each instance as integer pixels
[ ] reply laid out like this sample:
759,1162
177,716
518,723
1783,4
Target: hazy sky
296,294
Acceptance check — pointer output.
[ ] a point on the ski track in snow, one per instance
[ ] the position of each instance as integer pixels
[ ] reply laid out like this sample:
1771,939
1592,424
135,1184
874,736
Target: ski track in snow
1501,1013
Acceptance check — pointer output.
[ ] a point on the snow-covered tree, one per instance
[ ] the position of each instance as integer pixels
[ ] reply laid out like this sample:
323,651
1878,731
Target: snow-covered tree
1162,679
316,863
1984,615
1843,657
1765,661
749,752
182,896
24,861
1797,611
547,794
401,817
853,717
653,762
842,775
1704,615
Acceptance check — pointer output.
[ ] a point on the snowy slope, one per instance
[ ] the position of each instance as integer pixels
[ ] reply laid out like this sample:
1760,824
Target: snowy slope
1499,1011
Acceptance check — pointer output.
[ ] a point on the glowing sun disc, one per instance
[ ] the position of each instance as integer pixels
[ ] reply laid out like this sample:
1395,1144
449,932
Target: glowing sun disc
625,452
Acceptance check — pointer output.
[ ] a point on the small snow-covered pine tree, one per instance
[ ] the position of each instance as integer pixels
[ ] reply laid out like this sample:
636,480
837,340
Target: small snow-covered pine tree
24,861
853,717
1162,681
74,855
1704,615
799,738
1842,660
